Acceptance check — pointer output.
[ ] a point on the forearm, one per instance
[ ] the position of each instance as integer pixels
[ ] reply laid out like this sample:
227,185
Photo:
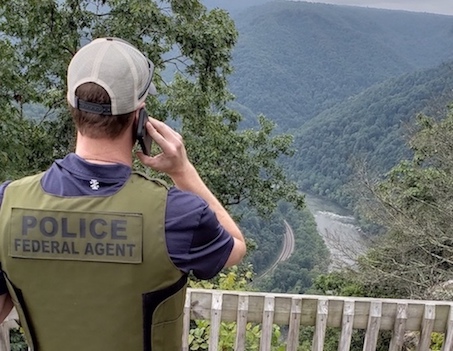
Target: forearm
174,162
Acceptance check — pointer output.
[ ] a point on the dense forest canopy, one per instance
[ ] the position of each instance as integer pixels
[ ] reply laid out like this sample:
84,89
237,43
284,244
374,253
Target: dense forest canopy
295,59
413,202
368,130
346,81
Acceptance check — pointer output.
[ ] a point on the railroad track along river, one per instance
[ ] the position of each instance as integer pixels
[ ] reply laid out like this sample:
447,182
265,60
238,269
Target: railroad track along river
287,249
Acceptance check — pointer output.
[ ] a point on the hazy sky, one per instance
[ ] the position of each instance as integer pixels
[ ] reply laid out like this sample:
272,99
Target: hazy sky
433,6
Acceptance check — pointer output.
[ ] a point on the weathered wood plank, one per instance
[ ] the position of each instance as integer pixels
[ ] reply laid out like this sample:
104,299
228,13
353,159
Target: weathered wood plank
427,327
374,323
5,328
267,322
321,325
216,315
185,323
415,311
243,305
396,343
346,327
4,336
448,341
294,324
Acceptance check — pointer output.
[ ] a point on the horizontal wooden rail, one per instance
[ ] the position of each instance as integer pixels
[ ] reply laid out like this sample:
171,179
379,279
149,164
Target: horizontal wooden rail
321,312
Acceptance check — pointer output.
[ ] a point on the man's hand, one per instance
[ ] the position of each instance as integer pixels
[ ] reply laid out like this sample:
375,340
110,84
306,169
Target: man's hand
173,159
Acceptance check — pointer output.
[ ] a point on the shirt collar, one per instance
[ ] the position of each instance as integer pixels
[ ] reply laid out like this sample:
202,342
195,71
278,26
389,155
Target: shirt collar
83,169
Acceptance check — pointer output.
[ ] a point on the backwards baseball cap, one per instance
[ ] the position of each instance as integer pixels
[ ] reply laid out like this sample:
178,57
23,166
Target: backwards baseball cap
117,66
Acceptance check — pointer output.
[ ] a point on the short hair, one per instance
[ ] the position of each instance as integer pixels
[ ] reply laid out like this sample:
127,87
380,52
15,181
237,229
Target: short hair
98,126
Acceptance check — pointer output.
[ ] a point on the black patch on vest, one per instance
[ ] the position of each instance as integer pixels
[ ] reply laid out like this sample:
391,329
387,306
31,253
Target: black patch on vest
150,301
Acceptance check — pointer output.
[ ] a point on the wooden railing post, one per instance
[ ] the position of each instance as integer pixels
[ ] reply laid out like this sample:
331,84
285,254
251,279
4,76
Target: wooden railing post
427,327
267,323
294,324
4,336
448,340
321,325
346,326
216,317
5,329
396,343
374,323
186,322
243,306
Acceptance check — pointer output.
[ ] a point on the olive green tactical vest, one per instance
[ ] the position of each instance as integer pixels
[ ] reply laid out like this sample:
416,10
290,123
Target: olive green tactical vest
92,273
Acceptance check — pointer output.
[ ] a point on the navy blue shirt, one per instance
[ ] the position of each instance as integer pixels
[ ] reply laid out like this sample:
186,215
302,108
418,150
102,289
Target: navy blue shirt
195,239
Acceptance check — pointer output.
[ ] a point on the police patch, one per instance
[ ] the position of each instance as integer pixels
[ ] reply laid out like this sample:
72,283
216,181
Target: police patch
80,236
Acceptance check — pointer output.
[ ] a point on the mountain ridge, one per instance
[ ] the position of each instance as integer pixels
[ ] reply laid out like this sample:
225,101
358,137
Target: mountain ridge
346,81
330,53
370,129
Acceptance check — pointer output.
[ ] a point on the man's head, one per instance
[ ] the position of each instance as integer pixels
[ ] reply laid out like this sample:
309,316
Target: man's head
108,80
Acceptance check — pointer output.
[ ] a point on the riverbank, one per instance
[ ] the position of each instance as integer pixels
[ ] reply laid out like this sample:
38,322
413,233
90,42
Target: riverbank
336,225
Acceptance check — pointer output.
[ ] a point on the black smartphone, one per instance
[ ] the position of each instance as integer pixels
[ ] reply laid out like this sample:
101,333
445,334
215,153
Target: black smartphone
143,138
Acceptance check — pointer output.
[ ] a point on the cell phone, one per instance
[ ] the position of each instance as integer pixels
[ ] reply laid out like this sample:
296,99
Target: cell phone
143,138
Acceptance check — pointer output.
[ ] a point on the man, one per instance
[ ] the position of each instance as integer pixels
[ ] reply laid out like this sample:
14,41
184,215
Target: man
96,257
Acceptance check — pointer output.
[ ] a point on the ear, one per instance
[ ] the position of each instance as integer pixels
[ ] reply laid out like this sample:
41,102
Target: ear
137,114
136,117
137,111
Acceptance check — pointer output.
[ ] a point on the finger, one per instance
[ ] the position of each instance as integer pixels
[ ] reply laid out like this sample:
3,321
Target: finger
165,142
144,159
166,131
168,140
155,134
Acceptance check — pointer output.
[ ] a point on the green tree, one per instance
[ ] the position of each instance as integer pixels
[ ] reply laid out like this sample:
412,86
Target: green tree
187,43
414,203
413,258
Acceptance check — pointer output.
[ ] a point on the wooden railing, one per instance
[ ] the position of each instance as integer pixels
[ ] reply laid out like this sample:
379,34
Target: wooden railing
8,324
321,312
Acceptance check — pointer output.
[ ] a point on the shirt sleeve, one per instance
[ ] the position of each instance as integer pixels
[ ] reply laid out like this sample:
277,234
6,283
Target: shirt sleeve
2,190
196,241
3,286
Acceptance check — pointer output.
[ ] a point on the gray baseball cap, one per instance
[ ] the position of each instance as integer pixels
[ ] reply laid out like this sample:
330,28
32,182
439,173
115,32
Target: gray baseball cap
117,66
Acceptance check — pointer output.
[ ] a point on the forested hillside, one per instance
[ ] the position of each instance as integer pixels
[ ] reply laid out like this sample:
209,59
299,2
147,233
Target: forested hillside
368,130
295,59
309,259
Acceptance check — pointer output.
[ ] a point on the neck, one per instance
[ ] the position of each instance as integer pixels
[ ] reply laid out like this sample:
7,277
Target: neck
104,151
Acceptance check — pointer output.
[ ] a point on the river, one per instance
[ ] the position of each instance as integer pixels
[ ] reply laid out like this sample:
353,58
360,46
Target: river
344,239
